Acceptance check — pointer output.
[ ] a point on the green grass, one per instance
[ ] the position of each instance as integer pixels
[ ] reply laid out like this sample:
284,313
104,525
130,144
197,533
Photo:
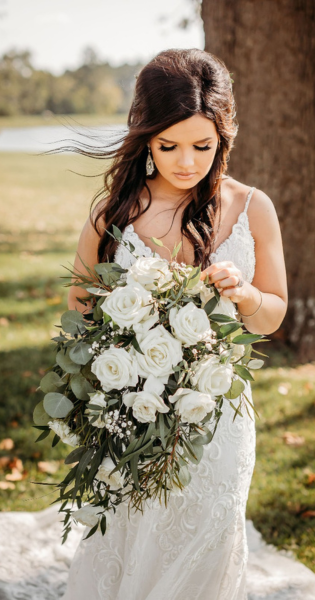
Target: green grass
51,119
44,206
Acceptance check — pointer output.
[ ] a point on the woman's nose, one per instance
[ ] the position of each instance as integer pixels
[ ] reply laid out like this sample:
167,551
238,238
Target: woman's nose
185,159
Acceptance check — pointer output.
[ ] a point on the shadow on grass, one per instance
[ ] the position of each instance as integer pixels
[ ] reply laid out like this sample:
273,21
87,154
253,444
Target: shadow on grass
21,371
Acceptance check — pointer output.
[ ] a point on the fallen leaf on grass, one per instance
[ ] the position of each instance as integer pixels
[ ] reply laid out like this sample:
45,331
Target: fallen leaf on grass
6,444
27,374
16,475
292,439
284,388
4,462
6,485
311,479
308,514
54,301
16,463
50,467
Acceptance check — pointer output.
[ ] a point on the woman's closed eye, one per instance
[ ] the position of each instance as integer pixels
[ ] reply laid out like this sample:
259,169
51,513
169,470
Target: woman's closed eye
170,148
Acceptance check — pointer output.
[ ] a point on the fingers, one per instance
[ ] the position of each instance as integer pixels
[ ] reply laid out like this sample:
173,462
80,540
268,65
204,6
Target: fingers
215,269
231,281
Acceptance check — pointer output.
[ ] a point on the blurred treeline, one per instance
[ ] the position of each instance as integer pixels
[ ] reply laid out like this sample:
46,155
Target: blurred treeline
94,87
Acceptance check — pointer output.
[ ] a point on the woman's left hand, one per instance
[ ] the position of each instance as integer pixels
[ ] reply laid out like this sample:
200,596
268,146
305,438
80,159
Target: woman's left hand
225,276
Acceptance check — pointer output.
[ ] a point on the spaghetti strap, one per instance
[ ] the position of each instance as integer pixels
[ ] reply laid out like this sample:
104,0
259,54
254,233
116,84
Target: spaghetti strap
250,193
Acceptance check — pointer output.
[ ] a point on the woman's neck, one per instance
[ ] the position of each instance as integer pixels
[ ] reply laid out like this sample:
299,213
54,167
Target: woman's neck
164,191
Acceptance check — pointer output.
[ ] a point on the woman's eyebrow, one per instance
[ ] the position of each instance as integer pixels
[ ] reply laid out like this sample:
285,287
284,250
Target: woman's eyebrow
208,139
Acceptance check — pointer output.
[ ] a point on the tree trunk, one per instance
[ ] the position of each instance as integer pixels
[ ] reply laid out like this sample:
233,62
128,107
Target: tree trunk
269,47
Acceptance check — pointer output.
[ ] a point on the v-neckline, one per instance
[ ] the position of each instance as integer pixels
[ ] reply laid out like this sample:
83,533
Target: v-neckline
212,253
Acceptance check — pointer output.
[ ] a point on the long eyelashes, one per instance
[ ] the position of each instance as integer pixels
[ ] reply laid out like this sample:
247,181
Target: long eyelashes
170,148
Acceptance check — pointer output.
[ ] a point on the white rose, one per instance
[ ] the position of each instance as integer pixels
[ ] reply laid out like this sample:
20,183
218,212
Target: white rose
89,515
190,324
192,406
129,305
64,432
225,306
197,289
238,352
116,480
161,352
211,376
115,368
147,270
147,402
99,400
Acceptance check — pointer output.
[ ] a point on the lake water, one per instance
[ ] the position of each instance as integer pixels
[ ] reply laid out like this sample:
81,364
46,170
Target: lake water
42,139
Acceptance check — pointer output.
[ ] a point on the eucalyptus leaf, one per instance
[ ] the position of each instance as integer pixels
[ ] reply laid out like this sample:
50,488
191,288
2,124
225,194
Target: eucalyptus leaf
64,361
40,417
247,338
202,439
235,390
157,242
229,328
81,387
75,455
176,249
117,233
109,272
57,406
184,476
219,318
80,354
97,312
72,322
255,363
243,373
210,305
50,382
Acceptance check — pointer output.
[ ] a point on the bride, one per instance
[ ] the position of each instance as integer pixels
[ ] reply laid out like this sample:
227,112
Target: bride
168,180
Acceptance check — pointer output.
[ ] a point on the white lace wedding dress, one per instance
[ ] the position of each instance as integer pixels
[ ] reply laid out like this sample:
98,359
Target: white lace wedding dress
197,547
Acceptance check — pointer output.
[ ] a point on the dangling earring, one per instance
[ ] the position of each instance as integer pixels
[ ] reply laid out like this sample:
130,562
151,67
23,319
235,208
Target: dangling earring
149,164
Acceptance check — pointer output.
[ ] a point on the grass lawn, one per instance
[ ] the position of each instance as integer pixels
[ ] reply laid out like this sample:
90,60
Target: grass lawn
43,207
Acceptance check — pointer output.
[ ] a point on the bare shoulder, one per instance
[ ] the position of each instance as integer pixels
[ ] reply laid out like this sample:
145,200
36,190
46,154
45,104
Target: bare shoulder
262,215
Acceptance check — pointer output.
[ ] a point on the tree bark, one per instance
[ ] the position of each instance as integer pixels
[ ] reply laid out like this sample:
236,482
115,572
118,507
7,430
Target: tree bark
269,47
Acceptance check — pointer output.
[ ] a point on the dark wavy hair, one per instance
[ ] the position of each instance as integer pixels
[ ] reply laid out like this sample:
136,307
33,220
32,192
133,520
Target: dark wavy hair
172,87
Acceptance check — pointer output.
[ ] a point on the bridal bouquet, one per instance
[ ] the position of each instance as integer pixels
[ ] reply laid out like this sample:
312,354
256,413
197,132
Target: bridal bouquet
139,383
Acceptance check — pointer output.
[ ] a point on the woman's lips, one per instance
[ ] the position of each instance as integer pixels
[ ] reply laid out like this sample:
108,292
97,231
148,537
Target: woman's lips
185,175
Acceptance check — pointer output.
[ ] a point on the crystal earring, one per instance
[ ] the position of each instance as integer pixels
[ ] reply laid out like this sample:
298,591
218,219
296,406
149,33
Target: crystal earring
149,164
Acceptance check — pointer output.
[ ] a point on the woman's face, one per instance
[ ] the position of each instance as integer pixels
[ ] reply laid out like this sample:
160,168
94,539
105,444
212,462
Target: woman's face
183,153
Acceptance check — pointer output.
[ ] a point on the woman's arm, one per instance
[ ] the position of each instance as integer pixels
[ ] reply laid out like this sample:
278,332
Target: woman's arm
270,274
87,250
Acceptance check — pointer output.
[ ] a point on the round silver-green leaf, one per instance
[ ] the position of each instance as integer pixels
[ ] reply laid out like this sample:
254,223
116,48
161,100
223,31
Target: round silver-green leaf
81,387
64,361
184,476
255,363
235,390
50,382
40,417
80,353
72,322
57,406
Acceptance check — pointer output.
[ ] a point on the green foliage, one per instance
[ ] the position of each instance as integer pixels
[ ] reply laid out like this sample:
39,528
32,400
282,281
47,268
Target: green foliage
94,87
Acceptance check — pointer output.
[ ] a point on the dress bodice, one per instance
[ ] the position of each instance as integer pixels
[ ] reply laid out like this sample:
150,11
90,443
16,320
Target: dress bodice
239,247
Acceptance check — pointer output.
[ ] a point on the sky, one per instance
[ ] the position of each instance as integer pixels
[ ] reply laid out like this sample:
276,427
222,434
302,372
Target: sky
57,31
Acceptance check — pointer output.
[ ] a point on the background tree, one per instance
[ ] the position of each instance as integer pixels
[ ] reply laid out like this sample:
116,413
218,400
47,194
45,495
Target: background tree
269,48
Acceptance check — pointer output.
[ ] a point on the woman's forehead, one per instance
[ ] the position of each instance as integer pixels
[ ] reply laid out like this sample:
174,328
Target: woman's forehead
194,129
